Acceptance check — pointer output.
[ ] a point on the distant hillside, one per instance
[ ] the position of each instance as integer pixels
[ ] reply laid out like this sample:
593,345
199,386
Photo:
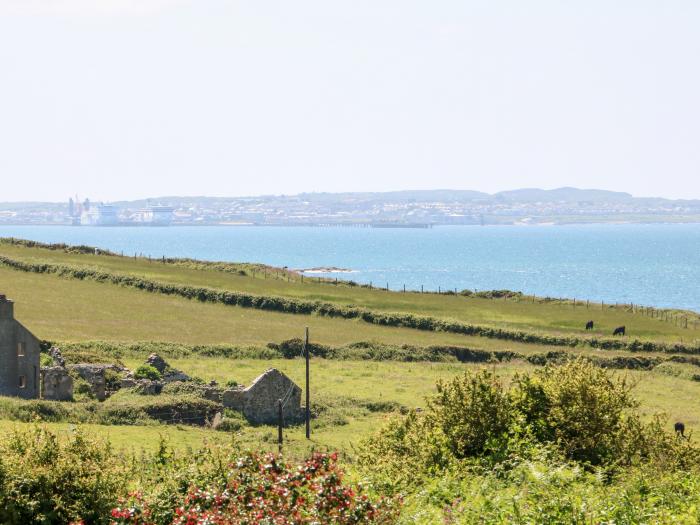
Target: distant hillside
562,195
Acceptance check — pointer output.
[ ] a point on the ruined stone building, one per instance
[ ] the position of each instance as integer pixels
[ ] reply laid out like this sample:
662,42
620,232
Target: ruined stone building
259,402
19,356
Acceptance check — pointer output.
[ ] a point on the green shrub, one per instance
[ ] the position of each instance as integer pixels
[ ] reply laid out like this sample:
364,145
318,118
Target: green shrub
48,480
82,390
45,360
471,412
579,407
113,380
148,372
577,410
233,421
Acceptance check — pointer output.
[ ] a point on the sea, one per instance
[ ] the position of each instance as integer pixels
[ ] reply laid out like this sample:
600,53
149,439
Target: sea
654,265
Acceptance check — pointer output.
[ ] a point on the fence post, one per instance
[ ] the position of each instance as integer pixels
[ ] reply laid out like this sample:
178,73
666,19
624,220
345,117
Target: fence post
308,392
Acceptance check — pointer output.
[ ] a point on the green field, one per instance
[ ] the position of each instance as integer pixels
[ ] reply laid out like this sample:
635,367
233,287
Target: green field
557,317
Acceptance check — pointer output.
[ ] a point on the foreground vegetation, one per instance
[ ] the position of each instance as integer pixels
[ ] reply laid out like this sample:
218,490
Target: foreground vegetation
563,444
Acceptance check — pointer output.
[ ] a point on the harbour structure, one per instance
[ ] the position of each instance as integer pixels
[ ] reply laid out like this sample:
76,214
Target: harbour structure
156,215
99,215
19,356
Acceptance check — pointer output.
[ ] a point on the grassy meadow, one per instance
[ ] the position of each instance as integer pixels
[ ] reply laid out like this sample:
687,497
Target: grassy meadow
524,313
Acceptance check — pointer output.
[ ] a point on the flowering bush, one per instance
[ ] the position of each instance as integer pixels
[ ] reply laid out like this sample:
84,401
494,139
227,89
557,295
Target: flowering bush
263,489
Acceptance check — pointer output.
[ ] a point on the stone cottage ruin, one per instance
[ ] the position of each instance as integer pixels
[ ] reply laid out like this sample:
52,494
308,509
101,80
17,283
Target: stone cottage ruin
19,356
259,402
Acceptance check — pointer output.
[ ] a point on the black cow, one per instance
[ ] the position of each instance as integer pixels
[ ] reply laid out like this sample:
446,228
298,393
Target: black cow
589,325
679,428
620,330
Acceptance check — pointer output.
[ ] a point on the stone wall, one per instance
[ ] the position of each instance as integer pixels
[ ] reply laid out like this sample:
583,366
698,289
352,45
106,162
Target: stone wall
57,384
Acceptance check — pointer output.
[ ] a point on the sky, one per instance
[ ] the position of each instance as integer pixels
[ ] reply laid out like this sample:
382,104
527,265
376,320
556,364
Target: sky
125,99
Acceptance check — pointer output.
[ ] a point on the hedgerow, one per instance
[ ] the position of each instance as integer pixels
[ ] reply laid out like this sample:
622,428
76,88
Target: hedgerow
297,306
113,352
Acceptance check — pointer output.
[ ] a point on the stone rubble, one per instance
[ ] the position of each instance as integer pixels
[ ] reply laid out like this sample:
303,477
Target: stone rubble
258,403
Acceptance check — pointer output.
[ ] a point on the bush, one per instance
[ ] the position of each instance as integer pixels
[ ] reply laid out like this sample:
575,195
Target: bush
471,412
148,372
113,380
258,488
82,390
45,360
579,407
51,481
232,422
576,410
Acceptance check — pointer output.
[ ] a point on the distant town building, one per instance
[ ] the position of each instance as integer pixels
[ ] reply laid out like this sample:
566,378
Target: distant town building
99,215
156,215
19,356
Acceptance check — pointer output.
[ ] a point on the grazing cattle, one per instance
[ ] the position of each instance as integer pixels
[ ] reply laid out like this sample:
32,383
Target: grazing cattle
679,428
589,325
620,330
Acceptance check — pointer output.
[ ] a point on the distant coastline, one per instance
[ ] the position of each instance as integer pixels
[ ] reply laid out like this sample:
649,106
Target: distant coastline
398,209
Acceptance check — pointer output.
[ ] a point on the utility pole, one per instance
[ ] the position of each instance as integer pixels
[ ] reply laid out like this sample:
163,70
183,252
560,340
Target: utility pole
308,394
280,425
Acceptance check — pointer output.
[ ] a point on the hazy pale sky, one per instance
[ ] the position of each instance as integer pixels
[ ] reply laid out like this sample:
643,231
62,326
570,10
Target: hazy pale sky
117,99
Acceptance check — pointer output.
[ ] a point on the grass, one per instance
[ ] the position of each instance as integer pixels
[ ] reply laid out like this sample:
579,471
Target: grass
68,310
135,438
347,388
524,314
64,310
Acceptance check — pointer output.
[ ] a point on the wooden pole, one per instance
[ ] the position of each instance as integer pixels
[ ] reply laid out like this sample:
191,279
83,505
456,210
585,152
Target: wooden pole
308,393
280,424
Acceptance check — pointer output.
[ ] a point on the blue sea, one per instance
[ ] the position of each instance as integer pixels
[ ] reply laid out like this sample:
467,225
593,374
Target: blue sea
655,265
